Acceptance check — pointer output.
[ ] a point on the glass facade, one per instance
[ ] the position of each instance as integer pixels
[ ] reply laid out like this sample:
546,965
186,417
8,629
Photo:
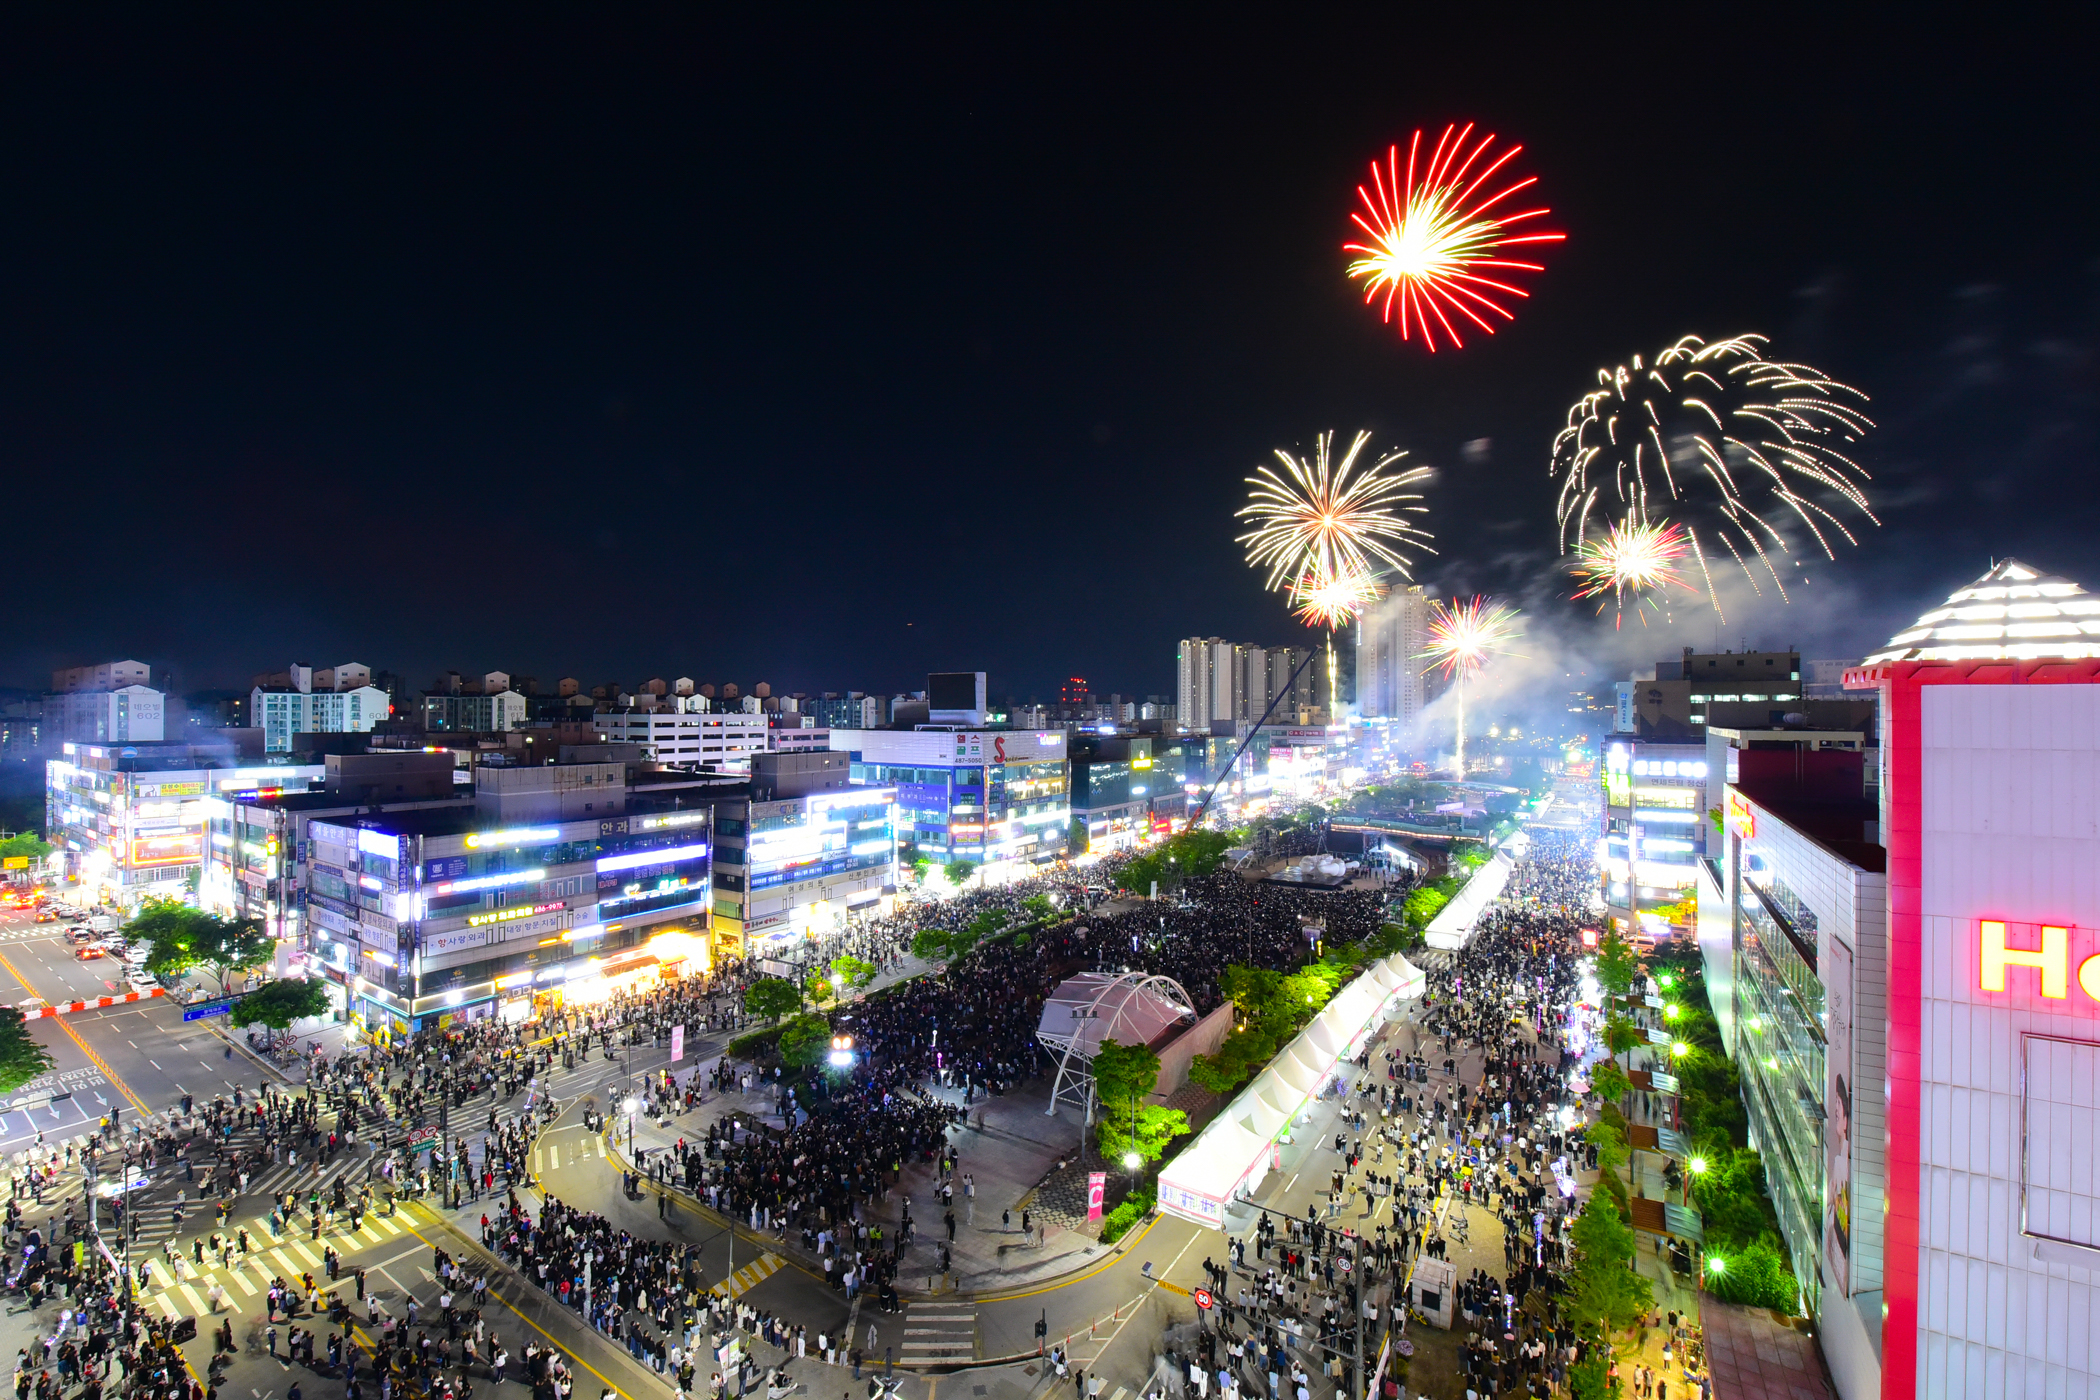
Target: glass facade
1781,1046
983,812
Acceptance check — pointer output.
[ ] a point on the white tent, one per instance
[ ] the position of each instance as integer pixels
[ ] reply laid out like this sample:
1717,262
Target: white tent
1233,1151
1453,925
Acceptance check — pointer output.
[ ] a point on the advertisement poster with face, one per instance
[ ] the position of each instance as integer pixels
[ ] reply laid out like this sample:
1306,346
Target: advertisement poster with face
1837,1116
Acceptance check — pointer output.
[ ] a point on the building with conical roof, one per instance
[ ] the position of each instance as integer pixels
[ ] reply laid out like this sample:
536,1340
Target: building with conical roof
1989,1256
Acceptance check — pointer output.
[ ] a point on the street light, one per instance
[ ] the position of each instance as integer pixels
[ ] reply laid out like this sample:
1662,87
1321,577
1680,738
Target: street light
632,1106
841,1052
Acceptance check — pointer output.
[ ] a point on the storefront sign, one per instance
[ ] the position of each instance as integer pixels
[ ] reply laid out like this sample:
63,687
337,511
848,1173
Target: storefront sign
2050,957
435,944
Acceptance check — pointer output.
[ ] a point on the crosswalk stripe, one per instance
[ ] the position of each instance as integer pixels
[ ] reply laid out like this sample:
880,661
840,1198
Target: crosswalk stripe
167,1308
303,1252
189,1296
242,1283
601,1147
554,1156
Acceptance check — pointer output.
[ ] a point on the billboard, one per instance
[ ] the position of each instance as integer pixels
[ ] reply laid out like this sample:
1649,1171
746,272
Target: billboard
170,848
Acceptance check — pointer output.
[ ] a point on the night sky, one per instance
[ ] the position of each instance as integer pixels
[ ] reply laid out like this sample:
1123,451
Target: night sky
625,344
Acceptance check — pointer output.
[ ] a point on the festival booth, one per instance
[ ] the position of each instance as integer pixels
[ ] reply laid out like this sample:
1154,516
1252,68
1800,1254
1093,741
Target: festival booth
1239,1147
1452,928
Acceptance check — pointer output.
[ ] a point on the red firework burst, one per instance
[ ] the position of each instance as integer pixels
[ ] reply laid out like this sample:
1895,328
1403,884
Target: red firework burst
1433,230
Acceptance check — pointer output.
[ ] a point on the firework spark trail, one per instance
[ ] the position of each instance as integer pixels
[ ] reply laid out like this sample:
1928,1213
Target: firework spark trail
1631,559
1330,520
1462,636
1739,447
1333,603
1429,233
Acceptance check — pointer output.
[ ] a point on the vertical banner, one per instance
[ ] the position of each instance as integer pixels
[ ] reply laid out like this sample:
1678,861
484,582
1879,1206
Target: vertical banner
1096,1188
1835,961
677,1044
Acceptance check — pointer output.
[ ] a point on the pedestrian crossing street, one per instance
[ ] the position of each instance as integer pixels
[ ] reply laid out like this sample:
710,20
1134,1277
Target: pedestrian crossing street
549,1157
249,1275
155,1218
936,1331
750,1276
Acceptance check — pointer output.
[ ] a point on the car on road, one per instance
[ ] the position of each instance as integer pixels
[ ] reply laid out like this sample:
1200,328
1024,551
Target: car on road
89,953
46,916
79,934
140,982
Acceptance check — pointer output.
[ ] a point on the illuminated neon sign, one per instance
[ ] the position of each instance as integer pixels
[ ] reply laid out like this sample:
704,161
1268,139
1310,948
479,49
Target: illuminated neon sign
1742,817
515,836
521,911
489,882
662,856
2051,961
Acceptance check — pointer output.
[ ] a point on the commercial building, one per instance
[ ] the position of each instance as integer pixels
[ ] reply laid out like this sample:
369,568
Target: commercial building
1990,756
1655,827
690,736
1391,639
800,851
301,700
549,892
1114,781
131,821
995,796
1804,886
255,850
111,703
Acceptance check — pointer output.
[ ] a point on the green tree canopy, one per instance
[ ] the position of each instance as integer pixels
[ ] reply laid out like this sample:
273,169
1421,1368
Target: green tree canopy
1188,853
772,997
960,871
849,971
1123,1075
25,843
181,939
1604,1293
1622,1035
1617,963
278,1003
805,1040
1149,1136
21,1057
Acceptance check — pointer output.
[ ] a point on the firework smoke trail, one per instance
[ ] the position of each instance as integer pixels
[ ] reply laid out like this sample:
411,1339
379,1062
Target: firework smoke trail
1462,636
1635,559
1734,445
1432,230
1328,520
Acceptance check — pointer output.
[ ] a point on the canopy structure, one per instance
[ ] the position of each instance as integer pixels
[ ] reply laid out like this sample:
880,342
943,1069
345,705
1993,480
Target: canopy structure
1453,925
1130,1008
1235,1149
2014,612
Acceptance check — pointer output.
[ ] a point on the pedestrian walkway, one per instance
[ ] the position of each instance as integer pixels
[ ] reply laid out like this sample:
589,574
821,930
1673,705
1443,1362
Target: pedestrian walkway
178,1286
939,1331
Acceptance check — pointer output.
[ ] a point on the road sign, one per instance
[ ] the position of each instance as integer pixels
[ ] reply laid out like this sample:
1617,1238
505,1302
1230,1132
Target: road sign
218,1006
424,1141
1204,1300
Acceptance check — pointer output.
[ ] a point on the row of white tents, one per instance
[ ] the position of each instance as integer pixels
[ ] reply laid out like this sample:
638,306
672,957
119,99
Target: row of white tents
1237,1149
1452,928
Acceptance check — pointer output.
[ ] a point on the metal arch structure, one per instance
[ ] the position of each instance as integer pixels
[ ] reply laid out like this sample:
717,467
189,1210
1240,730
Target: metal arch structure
1130,1008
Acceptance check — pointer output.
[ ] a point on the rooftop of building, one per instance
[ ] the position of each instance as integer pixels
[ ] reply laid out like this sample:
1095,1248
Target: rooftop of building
2014,612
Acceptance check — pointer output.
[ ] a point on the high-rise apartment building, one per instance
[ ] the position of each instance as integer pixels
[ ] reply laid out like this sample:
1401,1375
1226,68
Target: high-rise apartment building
1390,641
1194,681
113,703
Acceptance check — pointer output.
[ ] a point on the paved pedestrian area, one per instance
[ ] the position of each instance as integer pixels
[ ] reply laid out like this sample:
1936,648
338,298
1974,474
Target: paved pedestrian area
1753,1356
